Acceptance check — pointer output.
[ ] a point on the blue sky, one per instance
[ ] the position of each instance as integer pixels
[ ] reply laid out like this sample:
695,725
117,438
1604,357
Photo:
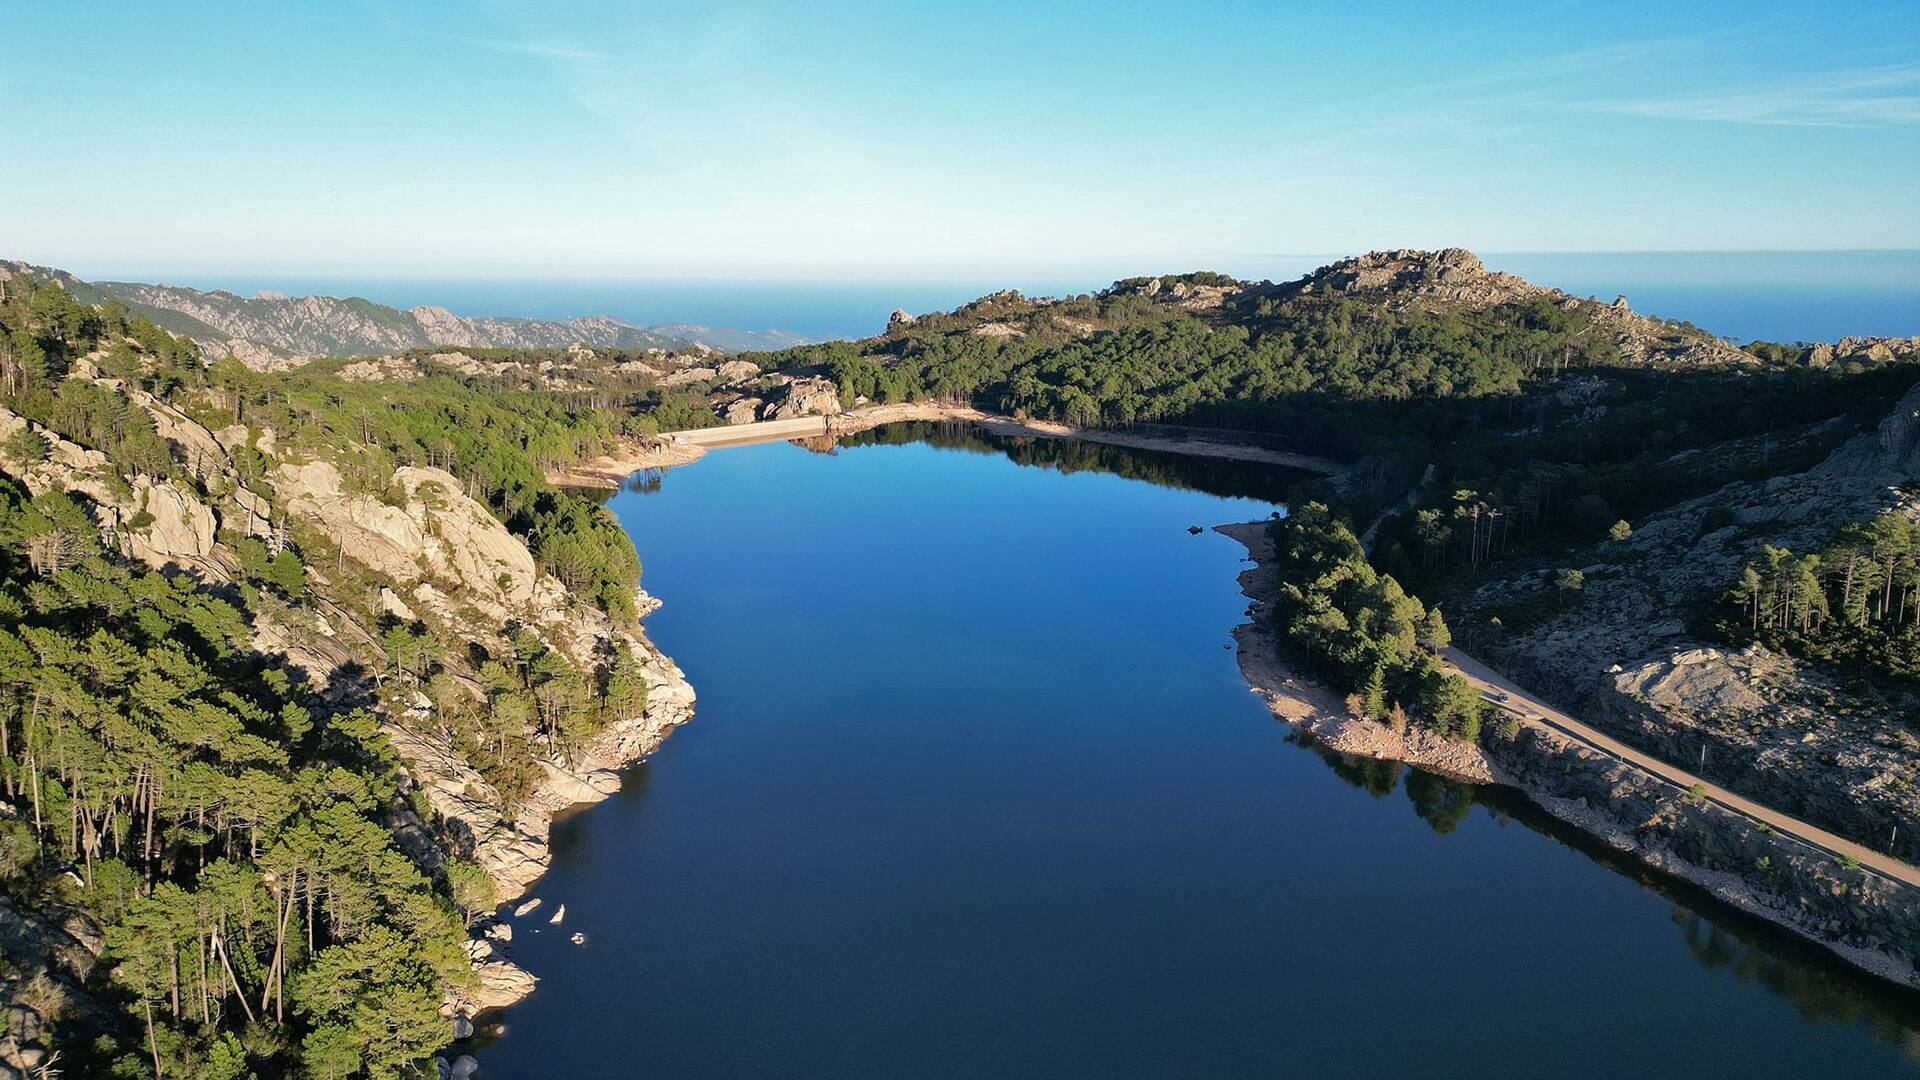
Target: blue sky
828,140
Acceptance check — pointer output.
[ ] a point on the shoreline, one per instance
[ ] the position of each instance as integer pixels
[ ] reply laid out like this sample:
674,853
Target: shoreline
1630,812
1589,791
1308,706
676,448
517,855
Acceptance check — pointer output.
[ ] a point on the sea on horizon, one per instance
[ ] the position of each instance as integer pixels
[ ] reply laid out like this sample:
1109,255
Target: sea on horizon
1772,295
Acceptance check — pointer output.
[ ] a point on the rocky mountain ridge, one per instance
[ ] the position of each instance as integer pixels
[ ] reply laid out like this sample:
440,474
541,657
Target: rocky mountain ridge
272,330
1455,278
1449,279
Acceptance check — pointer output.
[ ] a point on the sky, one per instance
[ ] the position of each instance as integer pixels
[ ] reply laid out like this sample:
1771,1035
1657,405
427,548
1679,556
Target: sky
829,141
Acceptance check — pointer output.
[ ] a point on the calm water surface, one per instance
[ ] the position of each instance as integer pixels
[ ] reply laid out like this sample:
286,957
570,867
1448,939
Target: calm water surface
976,791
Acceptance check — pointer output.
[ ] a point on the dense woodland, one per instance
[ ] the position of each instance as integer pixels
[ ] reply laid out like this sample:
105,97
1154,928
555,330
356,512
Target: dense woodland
1362,631
1855,602
226,826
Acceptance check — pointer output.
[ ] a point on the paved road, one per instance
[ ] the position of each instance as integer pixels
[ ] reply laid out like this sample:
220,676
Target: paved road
1533,710
1406,503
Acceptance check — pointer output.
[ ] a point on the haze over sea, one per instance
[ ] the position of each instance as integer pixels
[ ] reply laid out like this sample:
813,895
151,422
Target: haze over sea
1772,295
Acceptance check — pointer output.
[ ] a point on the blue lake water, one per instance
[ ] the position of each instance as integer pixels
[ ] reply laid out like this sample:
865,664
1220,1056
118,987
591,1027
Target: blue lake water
975,790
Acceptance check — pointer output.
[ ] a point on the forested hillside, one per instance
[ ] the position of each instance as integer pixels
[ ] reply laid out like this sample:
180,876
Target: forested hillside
1390,360
296,666
281,704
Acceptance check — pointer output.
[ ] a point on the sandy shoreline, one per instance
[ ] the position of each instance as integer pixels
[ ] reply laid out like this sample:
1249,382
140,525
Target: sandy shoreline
1316,709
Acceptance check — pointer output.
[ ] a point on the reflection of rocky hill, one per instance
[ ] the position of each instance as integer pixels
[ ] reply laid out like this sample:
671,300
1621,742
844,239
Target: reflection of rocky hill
1216,476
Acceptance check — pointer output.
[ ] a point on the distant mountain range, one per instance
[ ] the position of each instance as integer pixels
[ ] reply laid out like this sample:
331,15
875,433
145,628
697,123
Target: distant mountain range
270,329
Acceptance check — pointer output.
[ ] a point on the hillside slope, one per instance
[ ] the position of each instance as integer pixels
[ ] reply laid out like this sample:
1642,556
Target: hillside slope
341,691
269,329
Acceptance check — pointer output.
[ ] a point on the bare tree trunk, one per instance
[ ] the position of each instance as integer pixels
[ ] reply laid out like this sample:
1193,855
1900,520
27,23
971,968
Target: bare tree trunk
220,943
152,1044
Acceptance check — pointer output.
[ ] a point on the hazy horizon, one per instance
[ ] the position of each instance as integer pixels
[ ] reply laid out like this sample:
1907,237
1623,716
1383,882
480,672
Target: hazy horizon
1821,295
176,272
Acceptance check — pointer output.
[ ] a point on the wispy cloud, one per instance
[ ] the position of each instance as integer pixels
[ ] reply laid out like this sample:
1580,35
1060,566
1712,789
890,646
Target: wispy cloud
544,49
1871,97
1553,67
530,45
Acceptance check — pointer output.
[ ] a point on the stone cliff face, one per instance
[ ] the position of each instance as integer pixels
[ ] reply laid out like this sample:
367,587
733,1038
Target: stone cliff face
1871,921
444,559
157,522
777,397
457,568
51,955
1451,274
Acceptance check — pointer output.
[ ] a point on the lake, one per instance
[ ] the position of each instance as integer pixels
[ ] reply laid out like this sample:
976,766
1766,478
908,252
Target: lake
975,789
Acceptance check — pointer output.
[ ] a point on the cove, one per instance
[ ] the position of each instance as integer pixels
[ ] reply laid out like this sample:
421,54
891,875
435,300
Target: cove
976,790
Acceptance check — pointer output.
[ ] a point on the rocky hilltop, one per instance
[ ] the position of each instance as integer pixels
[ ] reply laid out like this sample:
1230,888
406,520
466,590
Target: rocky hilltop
1455,278
271,330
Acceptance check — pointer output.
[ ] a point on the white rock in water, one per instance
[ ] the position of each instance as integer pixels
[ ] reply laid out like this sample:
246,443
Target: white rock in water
522,910
579,938
464,1066
558,914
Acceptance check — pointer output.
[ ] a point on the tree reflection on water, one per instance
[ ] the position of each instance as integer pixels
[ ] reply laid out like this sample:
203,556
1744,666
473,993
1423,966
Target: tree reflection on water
1722,938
